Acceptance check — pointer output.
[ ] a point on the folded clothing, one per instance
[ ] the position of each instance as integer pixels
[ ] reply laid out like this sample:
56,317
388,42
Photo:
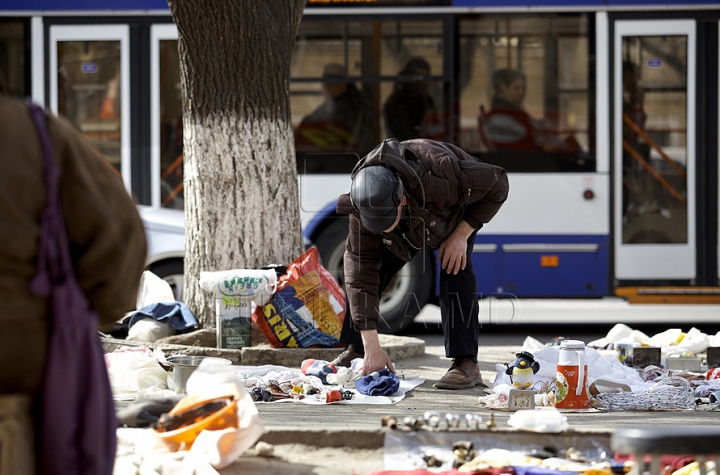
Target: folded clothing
379,383
319,368
175,314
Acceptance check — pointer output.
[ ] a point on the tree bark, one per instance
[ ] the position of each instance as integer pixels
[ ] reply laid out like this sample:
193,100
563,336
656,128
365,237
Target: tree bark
241,194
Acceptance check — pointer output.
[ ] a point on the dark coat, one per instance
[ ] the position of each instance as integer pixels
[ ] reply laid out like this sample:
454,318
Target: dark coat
105,234
444,185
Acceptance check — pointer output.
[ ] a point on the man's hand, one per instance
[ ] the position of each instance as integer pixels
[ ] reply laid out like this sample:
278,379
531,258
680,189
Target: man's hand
375,357
453,250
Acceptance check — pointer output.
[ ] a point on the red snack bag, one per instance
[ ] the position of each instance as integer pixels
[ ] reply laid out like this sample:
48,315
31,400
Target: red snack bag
308,308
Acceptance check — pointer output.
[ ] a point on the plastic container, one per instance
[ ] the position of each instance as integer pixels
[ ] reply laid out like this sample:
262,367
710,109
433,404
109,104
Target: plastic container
571,387
184,437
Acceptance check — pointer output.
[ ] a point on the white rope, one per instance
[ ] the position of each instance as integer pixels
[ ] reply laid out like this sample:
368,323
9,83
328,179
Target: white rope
666,394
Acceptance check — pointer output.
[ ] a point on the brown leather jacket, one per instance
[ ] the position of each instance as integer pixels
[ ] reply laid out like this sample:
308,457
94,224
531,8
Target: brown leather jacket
444,185
106,237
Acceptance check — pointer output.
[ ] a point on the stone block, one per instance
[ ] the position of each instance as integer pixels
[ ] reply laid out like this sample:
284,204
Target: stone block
683,363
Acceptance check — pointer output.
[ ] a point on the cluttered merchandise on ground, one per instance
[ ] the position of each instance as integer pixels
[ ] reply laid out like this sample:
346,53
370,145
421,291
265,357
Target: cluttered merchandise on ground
200,409
626,370
184,410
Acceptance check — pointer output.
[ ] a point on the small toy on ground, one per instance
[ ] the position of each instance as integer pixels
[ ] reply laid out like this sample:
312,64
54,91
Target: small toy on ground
522,370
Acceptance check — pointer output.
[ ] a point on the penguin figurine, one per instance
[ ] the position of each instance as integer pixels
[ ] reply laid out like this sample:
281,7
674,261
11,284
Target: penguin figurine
522,370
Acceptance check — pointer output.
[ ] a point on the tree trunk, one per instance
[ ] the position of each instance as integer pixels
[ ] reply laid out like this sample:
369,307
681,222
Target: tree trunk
241,195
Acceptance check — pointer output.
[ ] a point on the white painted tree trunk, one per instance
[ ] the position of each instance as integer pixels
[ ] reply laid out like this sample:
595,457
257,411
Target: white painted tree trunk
241,196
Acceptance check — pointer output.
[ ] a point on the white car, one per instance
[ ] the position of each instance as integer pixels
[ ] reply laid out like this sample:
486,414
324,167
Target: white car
165,232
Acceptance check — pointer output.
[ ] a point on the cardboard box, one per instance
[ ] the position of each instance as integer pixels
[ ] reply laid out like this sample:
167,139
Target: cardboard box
646,356
713,356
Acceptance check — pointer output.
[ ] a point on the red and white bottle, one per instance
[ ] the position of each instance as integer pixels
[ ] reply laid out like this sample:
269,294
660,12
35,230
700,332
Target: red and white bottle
571,387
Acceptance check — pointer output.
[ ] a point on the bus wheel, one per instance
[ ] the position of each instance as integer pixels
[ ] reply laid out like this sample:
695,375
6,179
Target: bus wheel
171,271
406,294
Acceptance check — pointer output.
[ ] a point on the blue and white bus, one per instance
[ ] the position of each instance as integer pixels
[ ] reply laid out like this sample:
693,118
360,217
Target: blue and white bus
611,143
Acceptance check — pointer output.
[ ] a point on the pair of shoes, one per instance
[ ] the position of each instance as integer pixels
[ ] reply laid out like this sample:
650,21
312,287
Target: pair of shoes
463,374
346,357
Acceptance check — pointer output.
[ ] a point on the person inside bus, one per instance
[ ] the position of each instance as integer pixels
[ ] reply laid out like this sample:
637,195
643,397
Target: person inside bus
342,123
104,231
507,126
409,197
410,111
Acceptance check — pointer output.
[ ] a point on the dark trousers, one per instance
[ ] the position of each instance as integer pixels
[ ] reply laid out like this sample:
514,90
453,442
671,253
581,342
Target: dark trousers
459,307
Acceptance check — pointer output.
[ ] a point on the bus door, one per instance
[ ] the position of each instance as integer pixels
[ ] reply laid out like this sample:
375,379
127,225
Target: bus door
654,150
90,86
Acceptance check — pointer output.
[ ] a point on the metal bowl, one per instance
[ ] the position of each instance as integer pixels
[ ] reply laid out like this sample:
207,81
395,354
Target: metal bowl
181,367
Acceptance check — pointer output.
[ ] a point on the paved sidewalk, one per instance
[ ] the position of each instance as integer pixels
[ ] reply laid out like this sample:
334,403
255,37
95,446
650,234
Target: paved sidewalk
347,439
415,358
432,366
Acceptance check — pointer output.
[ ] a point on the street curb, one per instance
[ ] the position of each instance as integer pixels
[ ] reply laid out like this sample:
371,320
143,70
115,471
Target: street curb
359,439
375,438
397,348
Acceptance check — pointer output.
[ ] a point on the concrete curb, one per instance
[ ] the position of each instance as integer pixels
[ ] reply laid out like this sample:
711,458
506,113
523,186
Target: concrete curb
359,439
397,348
375,438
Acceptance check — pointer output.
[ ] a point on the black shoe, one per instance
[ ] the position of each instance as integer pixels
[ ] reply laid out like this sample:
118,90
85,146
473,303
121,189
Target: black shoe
346,357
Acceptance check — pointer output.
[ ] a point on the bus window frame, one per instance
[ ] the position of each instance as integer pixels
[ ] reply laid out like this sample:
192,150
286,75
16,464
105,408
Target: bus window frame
448,30
522,162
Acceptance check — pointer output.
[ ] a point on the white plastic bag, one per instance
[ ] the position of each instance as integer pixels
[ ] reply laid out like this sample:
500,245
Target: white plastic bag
667,338
539,420
153,290
148,329
132,370
141,453
694,342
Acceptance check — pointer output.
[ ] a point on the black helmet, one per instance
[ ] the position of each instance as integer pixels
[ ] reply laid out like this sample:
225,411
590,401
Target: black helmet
376,194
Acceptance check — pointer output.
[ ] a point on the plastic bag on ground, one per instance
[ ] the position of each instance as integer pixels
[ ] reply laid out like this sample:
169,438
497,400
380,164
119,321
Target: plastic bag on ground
694,341
140,453
671,336
148,329
308,308
616,333
133,370
152,290
545,420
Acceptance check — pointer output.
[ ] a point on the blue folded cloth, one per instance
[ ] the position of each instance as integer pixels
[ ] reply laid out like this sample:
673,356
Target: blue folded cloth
175,314
534,470
379,383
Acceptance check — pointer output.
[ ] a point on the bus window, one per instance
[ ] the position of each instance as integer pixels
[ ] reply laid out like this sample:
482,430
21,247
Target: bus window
12,57
171,131
525,93
352,83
